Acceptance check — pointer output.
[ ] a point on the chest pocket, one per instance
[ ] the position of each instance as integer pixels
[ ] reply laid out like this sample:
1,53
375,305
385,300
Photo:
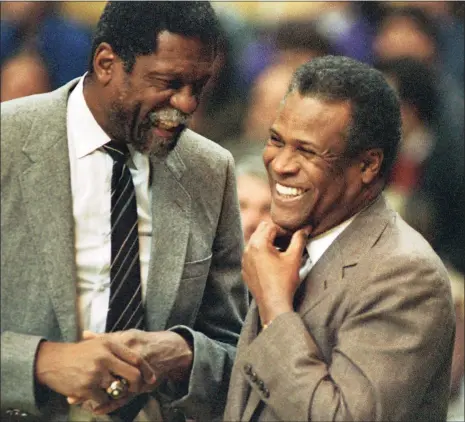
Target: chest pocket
196,269
190,292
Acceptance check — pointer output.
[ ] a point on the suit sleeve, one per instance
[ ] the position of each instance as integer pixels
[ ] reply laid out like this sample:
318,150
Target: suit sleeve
396,337
18,353
18,349
220,317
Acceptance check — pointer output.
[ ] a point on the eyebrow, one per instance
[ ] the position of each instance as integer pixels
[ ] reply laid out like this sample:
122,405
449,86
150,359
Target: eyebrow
175,76
301,141
157,73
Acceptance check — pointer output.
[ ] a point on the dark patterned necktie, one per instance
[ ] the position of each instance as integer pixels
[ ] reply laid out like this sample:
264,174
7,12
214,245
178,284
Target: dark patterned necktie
125,307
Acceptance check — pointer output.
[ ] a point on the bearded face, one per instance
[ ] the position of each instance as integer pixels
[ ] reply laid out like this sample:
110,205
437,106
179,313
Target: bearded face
157,133
151,104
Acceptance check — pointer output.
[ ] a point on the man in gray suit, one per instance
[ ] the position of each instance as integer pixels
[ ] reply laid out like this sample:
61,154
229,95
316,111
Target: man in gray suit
354,319
150,62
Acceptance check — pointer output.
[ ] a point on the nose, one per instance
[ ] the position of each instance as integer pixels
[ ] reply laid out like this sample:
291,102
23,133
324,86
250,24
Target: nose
285,162
184,100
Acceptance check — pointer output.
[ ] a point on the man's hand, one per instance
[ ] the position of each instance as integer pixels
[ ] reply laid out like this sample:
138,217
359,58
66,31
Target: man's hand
84,370
272,276
166,353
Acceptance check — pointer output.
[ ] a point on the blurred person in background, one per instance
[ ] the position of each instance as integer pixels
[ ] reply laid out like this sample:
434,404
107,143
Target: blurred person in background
344,24
264,98
409,32
349,30
121,239
406,31
296,42
253,191
63,44
22,75
448,19
221,110
428,169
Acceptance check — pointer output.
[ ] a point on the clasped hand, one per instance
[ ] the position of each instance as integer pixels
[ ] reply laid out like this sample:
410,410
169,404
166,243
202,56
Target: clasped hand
82,371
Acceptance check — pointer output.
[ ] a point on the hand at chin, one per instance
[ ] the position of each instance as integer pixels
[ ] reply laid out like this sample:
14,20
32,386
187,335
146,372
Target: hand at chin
284,235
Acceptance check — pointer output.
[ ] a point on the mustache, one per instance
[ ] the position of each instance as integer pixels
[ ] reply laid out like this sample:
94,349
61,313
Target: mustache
169,115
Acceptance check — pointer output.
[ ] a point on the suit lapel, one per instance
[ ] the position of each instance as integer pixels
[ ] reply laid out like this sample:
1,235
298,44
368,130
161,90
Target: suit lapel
46,189
326,272
171,206
344,253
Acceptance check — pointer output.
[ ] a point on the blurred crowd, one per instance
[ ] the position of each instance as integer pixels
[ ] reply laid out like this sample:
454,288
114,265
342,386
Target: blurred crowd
419,46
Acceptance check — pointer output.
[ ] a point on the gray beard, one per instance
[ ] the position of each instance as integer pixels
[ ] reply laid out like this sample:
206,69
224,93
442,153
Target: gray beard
157,146
160,147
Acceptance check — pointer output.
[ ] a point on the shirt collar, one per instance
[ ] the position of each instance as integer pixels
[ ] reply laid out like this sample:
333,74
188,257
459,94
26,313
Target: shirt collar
317,246
90,136
81,121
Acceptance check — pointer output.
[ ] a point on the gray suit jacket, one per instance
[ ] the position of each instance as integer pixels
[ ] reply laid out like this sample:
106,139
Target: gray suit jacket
194,281
370,340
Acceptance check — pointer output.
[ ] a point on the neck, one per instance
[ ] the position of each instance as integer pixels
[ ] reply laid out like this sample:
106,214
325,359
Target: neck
368,195
93,98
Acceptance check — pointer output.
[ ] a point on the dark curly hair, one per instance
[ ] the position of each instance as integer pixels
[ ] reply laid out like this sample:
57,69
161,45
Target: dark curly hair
375,120
132,27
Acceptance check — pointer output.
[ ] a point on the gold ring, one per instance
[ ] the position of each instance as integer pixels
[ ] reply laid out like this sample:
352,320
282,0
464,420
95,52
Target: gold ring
117,388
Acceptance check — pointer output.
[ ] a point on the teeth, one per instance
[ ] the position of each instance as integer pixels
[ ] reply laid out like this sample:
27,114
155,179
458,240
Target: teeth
166,124
288,191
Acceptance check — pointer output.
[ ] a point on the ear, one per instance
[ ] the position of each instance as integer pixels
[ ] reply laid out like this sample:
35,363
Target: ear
104,63
370,164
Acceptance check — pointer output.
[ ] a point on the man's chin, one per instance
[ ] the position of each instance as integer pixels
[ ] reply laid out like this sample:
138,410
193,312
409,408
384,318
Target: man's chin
285,223
286,228
159,147
162,150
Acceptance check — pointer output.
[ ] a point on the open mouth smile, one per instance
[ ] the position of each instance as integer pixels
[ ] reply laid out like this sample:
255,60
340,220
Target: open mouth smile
167,129
288,192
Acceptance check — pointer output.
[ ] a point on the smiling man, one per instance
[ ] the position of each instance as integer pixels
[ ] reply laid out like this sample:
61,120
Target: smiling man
121,237
352,316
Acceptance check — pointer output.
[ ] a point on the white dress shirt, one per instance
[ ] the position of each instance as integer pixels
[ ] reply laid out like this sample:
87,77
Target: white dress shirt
91,171
317,246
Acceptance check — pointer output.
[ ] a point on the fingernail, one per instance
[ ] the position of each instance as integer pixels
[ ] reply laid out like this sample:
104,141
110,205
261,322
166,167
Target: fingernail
308,230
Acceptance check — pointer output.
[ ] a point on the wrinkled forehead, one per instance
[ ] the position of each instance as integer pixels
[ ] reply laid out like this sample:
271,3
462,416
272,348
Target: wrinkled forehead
178,56
188,46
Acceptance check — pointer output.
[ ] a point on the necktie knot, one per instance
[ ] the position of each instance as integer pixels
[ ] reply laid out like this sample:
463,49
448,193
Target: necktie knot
119,152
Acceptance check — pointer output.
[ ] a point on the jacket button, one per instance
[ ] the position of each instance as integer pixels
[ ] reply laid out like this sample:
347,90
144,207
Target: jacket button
248,369
178,416
266,393
253,377
261,385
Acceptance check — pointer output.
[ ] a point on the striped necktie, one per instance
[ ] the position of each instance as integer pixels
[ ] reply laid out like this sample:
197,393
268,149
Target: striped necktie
306,265
125,307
